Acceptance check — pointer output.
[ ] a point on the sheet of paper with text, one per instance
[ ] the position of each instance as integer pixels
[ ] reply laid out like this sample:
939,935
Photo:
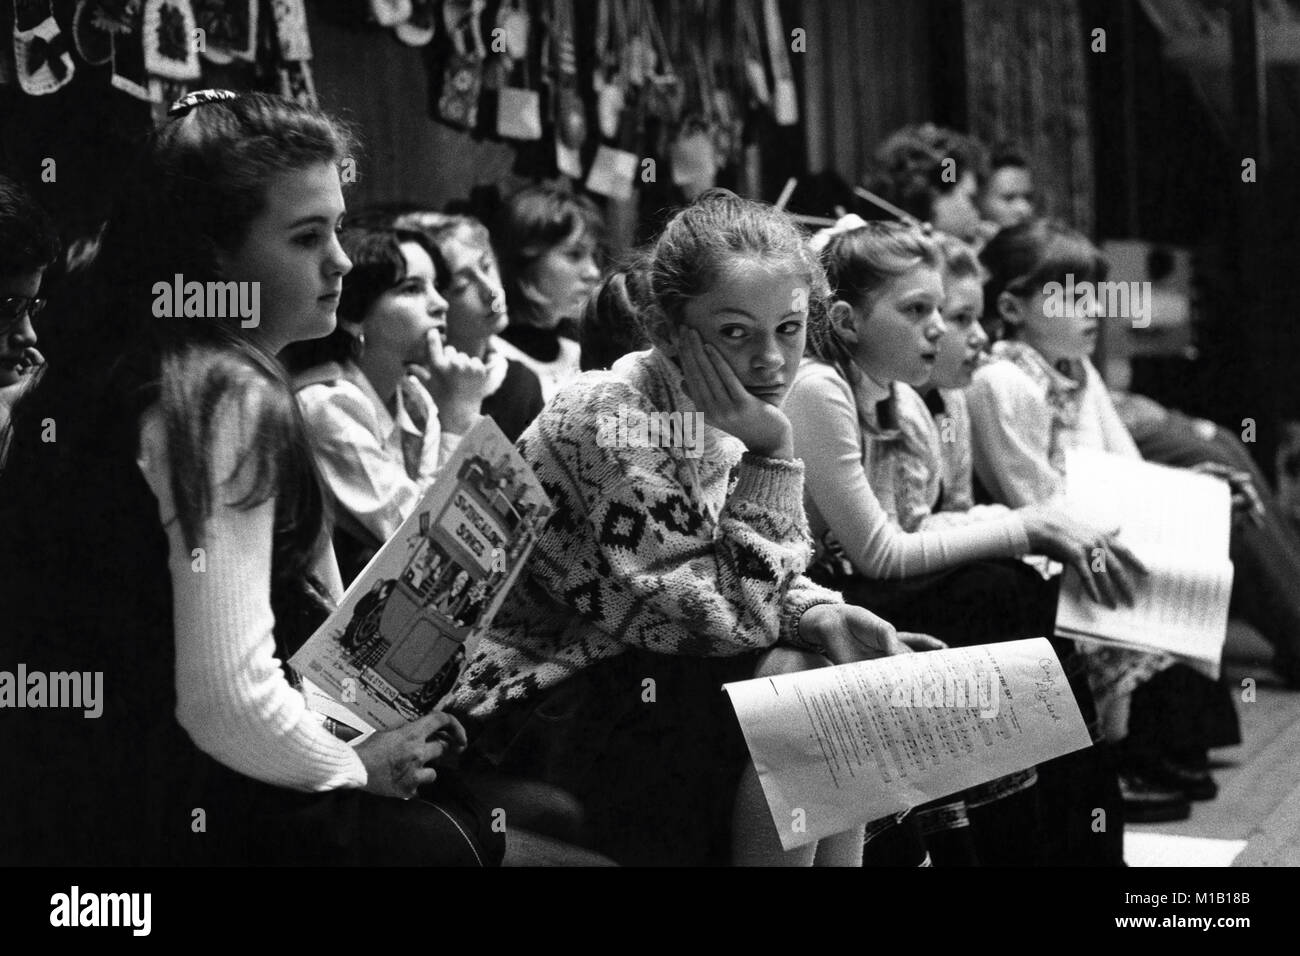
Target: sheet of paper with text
840,746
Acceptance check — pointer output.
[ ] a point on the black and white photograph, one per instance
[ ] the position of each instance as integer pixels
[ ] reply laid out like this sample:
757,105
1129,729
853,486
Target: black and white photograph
905,474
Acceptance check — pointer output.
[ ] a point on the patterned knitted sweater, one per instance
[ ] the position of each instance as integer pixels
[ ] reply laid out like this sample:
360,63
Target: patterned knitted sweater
692,551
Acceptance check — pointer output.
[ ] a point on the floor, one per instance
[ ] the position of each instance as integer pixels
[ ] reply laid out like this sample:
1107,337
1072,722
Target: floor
1255,821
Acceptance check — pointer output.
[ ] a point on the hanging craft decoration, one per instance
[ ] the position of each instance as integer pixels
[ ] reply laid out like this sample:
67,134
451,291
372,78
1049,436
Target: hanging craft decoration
389,13
519,108
229,29
419,28
291,35
42,57
462,76
94,44
129,73
168,37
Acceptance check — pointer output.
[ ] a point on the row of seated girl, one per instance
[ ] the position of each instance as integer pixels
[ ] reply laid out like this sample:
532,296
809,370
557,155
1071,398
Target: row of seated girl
173,542
175,549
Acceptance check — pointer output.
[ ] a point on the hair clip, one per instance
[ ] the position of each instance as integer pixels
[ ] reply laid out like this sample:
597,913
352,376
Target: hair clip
198,98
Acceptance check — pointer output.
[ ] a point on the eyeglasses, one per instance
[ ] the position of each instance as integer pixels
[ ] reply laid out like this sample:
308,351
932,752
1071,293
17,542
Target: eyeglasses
13,308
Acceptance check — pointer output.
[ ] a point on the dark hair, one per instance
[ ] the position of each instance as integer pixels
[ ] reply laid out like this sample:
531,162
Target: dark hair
702,241
611,325
858,262
960,261
377,266
438,227
28,240
193,192
530,223
1026,257
1003,155
908,168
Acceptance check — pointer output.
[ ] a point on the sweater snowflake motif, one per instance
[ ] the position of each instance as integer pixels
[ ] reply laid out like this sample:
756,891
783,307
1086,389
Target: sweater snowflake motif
651,547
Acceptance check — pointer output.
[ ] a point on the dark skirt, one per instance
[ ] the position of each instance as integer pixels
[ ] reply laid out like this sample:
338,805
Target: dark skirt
647,743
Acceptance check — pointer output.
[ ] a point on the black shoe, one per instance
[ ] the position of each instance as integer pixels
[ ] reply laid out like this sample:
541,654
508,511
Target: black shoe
1146,802
1192,780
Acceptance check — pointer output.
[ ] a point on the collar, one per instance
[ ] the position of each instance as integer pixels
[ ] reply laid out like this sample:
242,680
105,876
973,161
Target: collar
388,425
877,405
1036,365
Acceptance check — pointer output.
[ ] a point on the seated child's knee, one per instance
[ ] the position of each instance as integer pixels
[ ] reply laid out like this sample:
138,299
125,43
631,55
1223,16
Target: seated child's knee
788,660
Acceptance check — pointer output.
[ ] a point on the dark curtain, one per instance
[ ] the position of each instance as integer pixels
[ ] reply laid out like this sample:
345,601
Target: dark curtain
1026,83
867,72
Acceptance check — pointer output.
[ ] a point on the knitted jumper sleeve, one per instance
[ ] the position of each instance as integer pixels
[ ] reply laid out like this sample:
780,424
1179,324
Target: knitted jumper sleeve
1011,433
684,566
827,437
231,696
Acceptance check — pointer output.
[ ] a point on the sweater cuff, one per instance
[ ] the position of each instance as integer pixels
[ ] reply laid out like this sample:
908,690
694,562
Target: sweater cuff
802,596
1019,534
770,481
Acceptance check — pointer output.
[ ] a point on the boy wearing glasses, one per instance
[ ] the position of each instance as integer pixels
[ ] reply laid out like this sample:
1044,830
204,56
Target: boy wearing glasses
28,244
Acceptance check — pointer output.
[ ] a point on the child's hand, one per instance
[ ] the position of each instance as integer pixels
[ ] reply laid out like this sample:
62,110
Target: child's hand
716,392
848,633
457,382
1108,570
398,761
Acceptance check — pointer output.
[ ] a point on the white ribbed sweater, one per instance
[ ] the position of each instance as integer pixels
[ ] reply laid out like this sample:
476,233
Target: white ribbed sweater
231,696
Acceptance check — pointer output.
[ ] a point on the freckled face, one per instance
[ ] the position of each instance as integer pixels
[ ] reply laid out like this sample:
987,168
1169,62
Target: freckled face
758,321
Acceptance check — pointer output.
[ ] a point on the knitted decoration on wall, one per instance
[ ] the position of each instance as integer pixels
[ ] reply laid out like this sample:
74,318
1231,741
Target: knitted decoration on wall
229,29
169,36
42,57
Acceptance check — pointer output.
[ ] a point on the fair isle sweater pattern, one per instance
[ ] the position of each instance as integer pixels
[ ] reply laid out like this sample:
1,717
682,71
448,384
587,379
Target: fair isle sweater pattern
648,546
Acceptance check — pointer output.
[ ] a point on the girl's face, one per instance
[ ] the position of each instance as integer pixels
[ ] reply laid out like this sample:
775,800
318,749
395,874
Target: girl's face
399,321
476,304
1039,324
564,276
292,252
898,339
758,320
18,335
955,213
962,344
